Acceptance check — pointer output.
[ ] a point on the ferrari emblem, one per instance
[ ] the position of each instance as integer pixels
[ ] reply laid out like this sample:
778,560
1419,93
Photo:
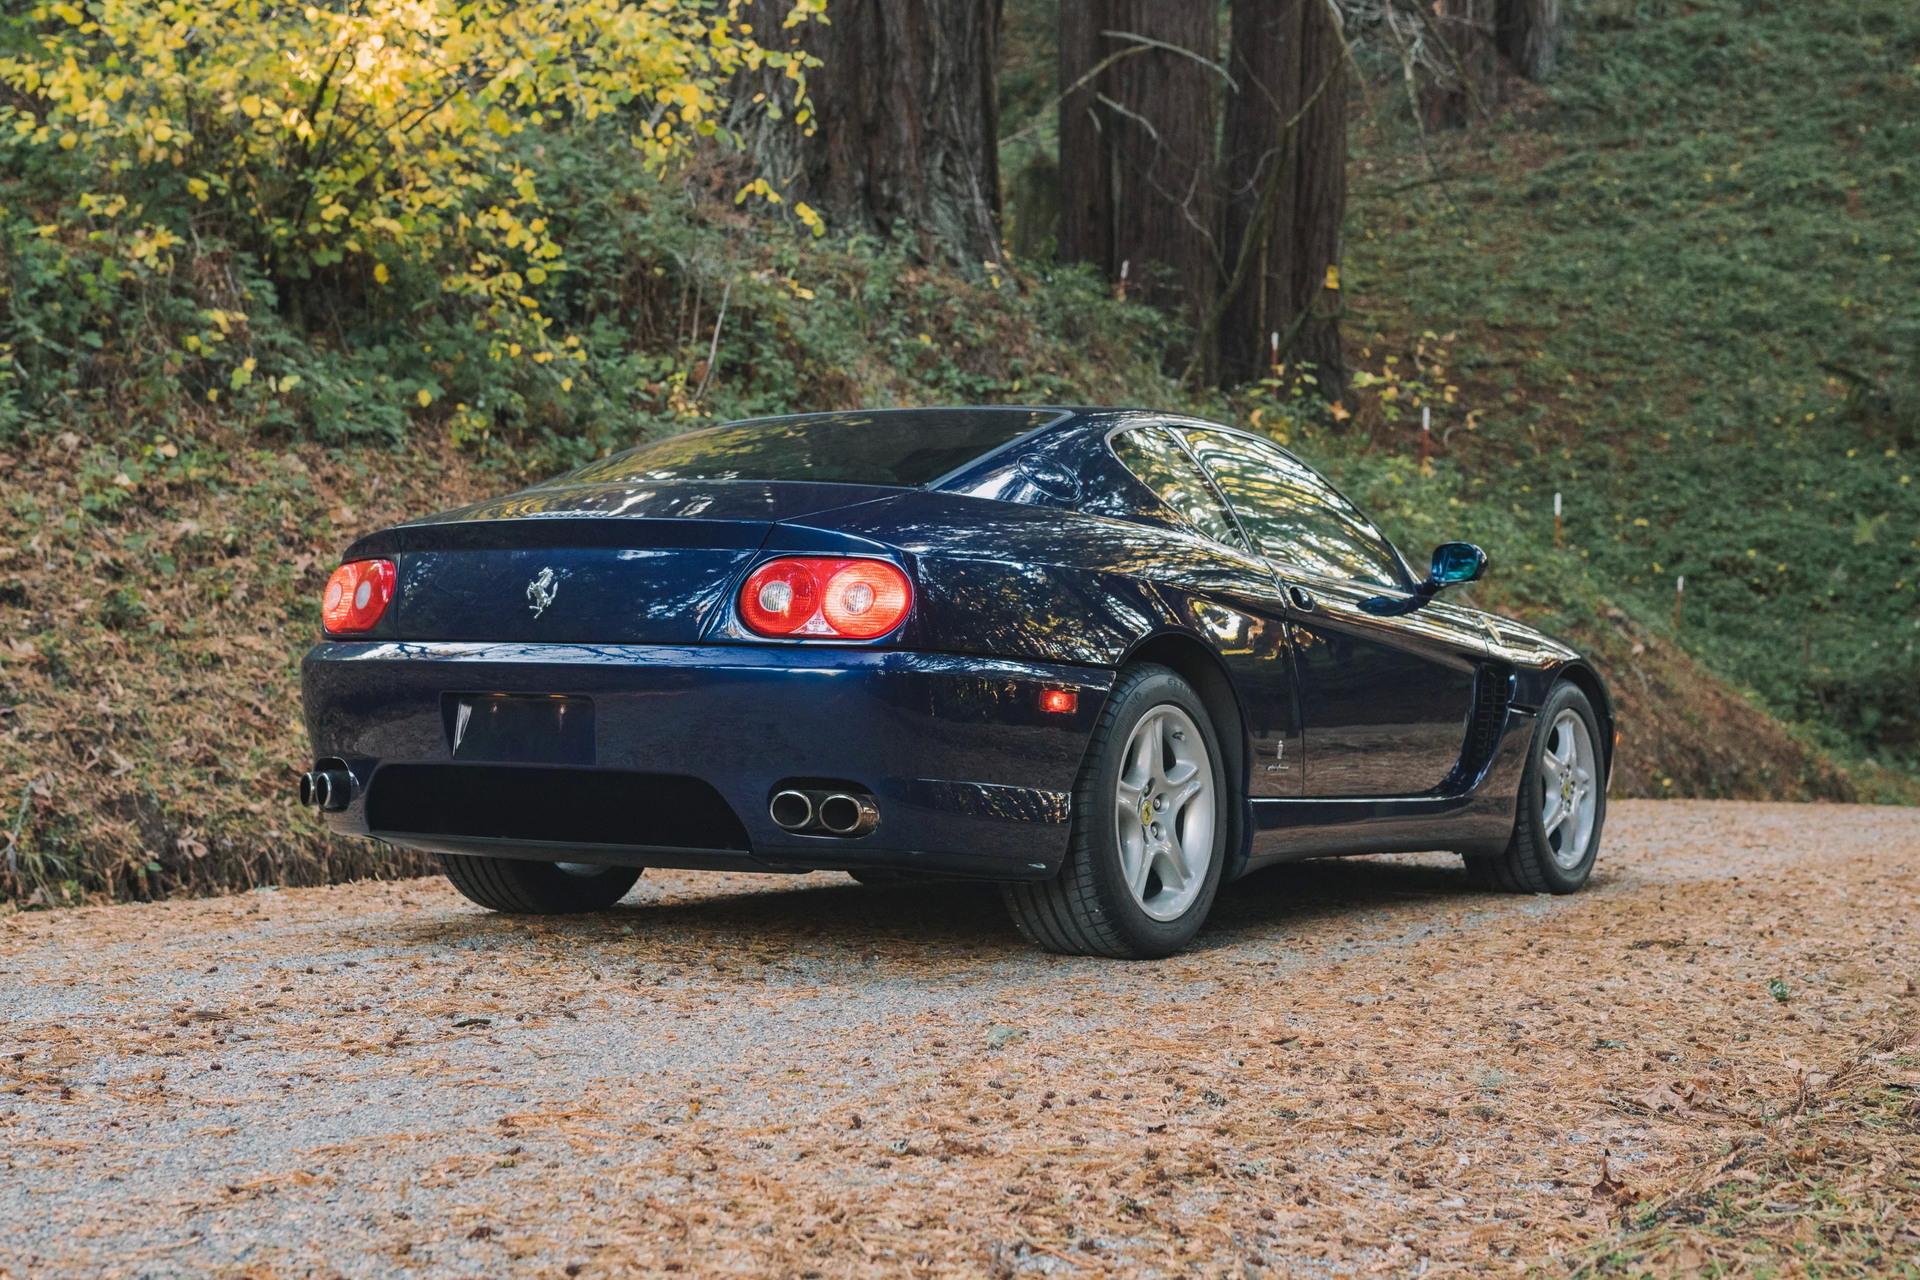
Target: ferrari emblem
541,591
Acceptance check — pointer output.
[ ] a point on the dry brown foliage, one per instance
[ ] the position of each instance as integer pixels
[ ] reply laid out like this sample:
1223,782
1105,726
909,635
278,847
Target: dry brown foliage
150,734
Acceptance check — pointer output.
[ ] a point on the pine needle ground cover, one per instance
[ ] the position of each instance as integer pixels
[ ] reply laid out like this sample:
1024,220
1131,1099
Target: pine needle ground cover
1704,1065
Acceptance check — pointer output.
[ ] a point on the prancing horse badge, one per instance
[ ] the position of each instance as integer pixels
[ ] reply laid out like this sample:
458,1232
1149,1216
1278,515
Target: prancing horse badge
541,591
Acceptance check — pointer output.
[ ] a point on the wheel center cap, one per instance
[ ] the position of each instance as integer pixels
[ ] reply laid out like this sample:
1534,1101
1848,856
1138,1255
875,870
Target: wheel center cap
1146,811
1566,788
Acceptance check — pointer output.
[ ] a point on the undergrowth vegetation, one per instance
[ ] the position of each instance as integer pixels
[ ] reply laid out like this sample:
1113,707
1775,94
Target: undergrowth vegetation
204,397
1684,283
386,174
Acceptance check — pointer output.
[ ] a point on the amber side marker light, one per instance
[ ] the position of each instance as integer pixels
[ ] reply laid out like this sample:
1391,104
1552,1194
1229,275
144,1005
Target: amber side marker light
1061,701
357,594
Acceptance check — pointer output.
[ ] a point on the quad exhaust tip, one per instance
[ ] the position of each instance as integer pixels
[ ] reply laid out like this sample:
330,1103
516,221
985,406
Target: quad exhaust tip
328,790
847,814
792,810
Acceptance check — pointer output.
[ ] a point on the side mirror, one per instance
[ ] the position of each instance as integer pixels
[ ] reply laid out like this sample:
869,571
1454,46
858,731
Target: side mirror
1453,564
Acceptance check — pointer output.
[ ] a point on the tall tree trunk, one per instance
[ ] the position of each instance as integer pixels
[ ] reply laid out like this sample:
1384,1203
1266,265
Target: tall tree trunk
1258,163
1249,248
905,132
1086,163
1528,33
1136,147
1321,205
1283,170
1161,125
1465,31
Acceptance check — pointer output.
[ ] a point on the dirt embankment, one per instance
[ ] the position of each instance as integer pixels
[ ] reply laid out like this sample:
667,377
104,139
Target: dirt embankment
1362,1068
1684,732
150,734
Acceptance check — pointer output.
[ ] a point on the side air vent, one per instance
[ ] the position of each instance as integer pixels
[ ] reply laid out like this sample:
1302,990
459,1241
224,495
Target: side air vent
568,806
1492,691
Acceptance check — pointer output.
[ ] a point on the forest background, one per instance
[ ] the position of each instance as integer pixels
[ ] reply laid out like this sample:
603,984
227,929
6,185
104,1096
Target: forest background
273,275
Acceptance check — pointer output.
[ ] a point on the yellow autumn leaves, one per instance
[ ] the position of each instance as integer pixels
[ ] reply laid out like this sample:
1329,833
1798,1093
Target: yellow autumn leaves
384,130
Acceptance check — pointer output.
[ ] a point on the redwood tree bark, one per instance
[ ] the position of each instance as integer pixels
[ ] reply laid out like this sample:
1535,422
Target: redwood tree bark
1465,31
1136,147
1320,207
1283,174
1160,122
1086,163
1247,249
1528,33
904,138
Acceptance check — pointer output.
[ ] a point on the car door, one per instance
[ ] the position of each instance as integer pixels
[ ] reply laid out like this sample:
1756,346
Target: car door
1241,612
1385,702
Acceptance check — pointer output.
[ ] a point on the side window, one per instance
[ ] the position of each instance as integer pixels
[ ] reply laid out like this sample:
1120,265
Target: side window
1292,514
1165,468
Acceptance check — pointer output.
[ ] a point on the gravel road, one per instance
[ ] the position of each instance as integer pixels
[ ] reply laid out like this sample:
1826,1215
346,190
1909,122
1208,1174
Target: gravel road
1363,1067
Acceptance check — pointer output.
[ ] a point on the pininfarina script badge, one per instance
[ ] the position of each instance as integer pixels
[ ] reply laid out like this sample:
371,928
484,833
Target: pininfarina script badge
541,591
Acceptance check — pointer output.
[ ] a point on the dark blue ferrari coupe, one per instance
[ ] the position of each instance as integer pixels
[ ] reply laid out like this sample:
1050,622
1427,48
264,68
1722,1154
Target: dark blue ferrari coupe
1110,659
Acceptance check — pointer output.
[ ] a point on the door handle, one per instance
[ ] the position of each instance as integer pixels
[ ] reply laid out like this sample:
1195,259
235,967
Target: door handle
1302,599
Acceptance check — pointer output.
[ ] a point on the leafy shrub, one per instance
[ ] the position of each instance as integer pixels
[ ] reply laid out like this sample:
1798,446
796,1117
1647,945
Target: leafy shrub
334,150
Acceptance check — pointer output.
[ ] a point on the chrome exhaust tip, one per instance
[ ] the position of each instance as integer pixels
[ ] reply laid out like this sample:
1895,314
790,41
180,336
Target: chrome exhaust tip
791,810
849,815
328,790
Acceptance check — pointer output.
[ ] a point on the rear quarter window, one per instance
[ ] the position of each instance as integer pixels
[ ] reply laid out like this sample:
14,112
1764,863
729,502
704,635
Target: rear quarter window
1161,464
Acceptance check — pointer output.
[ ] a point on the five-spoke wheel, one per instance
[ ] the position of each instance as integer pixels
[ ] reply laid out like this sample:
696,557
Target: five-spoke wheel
1569,802
1165,812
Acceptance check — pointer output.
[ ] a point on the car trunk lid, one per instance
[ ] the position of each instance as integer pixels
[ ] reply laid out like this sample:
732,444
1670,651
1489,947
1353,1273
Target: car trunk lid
603,564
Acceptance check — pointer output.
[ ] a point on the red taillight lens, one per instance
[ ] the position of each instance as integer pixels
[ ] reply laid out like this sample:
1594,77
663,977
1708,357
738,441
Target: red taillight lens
829,599
866,598
780,597
357,594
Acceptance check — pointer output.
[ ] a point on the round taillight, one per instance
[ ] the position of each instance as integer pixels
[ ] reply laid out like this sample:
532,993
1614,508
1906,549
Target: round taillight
806,597
357,595
780,597
866,598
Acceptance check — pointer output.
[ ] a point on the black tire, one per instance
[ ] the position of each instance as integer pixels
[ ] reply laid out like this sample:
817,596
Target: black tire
1087,908
537,888
1529,864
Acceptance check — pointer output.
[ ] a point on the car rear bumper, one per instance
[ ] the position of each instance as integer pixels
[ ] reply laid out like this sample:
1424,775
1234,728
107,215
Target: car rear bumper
690,742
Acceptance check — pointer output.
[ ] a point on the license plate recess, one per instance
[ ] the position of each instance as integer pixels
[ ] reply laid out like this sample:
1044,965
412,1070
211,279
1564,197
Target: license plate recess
520,728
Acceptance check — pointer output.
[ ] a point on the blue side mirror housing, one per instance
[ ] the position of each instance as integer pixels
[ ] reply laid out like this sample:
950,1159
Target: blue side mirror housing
1453,564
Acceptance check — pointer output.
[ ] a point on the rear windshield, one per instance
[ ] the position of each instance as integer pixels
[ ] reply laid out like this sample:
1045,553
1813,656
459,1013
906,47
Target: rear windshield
903,447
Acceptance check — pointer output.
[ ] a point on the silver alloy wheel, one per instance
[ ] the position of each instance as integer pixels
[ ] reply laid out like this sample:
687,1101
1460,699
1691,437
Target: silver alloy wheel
584,870
1165,812
1568,801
